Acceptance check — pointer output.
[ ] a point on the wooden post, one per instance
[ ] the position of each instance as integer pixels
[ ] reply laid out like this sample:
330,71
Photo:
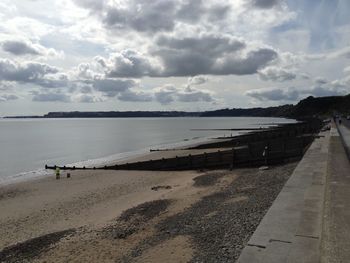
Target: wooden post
163,163
233,158
250,159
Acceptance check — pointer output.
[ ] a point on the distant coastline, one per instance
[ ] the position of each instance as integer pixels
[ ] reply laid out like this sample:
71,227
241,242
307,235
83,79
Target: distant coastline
311,106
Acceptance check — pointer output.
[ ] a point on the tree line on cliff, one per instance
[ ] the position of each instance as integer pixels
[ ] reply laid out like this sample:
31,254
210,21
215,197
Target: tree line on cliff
310,106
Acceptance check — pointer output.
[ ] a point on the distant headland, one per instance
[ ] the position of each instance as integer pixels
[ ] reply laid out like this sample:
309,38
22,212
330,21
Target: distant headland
311,106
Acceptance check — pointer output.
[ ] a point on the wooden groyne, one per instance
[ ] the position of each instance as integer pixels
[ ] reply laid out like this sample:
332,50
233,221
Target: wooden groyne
254,149
283,131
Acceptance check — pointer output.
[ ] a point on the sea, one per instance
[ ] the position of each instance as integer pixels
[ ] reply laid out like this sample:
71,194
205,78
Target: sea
26,145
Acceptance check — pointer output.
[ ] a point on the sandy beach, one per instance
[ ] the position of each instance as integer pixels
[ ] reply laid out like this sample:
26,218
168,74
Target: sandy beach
136,216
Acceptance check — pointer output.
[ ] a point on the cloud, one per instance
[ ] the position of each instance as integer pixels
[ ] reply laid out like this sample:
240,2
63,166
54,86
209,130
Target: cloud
210,54
129,63
320,81
51,97
165,94
169,93
25,72
135,96
274,94
205,54
194,95
22,47
197,80
265,4
86,98
113,87
6,86
7,97
322,91
154,16
138,15
343,83
274,73
91,4
19,48
293,94
347,70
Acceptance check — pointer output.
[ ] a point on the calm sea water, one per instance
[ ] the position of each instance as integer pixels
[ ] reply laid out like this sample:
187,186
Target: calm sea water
26,145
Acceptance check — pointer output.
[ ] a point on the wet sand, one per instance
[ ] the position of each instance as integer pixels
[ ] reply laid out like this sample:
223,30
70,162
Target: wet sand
136,216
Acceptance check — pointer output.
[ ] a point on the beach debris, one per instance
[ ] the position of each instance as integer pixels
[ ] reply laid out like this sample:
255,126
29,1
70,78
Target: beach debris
161,187
262,168
68,175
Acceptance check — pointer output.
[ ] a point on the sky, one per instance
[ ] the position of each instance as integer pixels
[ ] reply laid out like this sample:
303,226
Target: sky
191,55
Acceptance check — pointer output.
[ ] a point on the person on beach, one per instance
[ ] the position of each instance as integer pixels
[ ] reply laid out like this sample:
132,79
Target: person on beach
57,173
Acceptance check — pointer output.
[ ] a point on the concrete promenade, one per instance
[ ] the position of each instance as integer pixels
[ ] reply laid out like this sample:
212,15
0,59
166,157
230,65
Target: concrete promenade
310,219
336,234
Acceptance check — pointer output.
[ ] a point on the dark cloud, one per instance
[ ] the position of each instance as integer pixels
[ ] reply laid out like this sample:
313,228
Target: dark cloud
91,4
51,97
165,94
265,4
209,54
249,64
142,16
128,64
113,87
320,81
205,54
191,11
19,48
276,74
277,94
57,81
28,72
213,44
154,16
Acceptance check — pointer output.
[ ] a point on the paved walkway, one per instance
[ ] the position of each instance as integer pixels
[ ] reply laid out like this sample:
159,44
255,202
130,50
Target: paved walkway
310,219
291,230
336,234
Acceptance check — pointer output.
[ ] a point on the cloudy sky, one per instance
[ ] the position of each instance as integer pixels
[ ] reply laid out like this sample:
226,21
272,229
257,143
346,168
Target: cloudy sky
63,55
